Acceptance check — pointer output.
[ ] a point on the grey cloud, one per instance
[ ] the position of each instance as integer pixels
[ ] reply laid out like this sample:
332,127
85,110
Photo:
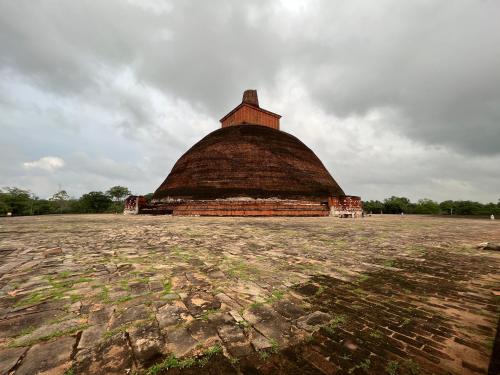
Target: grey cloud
206,49
62,45
430,67
436,63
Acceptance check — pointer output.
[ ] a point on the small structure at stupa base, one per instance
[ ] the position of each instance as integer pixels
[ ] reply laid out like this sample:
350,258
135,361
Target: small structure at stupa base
134,204
248,167
345,206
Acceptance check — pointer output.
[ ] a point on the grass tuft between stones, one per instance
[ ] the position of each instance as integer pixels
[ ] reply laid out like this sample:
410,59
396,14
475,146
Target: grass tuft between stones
66,332
392,367
336,322
172,362
167,287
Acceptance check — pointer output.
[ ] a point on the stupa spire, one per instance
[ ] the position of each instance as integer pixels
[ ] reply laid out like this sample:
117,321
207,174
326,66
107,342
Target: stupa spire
249,112
250,97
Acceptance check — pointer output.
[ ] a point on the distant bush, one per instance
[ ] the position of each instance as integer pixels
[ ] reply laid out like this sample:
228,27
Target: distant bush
116,207
95,202
397,205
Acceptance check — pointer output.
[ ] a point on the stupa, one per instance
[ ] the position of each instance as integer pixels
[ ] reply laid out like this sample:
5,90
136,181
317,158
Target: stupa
249,167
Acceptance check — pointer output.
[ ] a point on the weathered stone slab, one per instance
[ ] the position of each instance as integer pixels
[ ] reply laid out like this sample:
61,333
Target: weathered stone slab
269,323
91,336
236,316
15,325
66,327
130,314
259,342
9,358
200,302
288,309
173,314
100,315
313,321
179,341
204,331
112,356
155,286
147,343
225,299
53,356
235,340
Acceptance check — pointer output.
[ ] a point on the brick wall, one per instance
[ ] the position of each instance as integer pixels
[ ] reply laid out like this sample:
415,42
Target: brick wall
251,115
347,205
229,207
336,206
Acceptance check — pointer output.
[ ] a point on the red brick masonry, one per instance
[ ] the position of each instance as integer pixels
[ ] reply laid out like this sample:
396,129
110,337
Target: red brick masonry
338,206
249,112
346,205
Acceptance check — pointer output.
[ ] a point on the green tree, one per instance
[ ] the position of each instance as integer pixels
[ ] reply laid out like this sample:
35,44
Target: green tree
118,193
4,208
61,199
75,206
426,206
43,207
95,202
17,201
447,207
373,206
396,205
468,208
491,209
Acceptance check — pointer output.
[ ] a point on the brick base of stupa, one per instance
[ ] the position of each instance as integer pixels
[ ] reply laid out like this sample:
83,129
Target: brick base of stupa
347,206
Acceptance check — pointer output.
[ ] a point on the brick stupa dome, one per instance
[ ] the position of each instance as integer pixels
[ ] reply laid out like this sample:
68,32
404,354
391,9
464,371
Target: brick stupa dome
249,167
249,161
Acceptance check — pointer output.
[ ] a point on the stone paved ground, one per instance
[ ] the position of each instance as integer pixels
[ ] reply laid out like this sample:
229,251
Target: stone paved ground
102,294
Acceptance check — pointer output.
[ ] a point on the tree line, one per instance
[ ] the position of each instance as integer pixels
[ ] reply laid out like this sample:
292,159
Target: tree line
397,205
21,202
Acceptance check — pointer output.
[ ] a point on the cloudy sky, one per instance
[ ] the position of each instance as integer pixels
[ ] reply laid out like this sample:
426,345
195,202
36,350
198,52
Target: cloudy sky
396,97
